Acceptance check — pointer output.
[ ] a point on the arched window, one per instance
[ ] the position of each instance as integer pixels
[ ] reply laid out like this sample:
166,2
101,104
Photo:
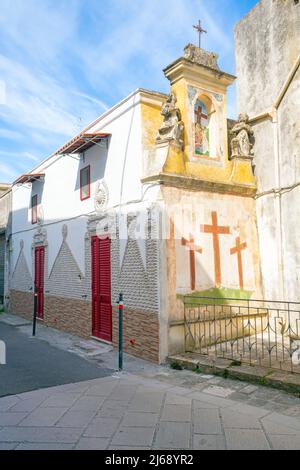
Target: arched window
204,128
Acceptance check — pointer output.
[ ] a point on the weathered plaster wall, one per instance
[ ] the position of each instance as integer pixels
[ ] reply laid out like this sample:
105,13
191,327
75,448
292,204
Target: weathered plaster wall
267,49
191,211
267,46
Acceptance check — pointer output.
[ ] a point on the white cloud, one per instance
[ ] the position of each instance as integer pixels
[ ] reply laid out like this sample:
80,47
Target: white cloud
18,155
92,99
2,92
8,171
9,134
41,103
66,62
144,39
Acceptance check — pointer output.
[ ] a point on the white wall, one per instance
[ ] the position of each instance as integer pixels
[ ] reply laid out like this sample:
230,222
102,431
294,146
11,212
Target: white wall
119,163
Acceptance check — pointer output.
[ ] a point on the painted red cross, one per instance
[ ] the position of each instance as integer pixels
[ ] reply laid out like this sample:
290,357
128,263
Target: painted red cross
215,230
193,248
200,115
237,250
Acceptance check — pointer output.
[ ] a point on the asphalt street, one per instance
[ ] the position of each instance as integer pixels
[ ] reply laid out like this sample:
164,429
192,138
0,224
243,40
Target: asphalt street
34,364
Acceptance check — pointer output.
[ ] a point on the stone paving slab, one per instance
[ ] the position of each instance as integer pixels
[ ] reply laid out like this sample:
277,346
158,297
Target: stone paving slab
102,427
279,420
175,413
208,442
248,410
43,446
87,403
8,446
75,419
8,402
112,410
125,448
207,422
173,436
92,443
240,439
134,437
43,417
285,442
11,419
218,391
150,407
13,320
151,417
147,420
235,420
39,434
60,400
27,405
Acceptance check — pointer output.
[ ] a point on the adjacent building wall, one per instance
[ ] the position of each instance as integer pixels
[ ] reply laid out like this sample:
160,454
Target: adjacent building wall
267,45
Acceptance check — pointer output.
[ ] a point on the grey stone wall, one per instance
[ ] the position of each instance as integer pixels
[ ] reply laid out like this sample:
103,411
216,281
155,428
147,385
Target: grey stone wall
267,45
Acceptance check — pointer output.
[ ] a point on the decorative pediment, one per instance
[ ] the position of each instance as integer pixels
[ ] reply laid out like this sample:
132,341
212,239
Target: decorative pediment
201,57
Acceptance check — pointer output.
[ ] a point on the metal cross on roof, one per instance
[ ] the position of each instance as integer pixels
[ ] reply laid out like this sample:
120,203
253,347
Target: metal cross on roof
200,30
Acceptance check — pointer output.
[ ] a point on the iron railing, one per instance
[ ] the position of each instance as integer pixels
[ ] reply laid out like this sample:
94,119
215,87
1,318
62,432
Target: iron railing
248,331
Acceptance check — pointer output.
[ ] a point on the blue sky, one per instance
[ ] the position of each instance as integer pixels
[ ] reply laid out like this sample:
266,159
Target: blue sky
64,62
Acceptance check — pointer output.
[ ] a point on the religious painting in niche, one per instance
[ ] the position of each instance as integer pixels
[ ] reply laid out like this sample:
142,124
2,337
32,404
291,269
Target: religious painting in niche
201,129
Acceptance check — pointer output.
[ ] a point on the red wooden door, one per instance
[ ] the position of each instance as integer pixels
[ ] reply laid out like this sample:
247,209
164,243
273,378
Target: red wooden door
39,279
101,289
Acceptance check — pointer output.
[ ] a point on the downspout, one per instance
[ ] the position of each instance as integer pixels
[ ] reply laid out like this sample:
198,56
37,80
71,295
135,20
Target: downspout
278,207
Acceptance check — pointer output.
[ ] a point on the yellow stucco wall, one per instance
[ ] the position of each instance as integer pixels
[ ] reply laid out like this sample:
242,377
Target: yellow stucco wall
218,169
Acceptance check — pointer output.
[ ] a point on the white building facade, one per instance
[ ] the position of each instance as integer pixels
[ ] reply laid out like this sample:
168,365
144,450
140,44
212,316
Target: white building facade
58,210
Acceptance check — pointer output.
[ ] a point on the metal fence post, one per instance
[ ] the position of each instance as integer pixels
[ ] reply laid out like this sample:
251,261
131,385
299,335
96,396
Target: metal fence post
34,311
121,311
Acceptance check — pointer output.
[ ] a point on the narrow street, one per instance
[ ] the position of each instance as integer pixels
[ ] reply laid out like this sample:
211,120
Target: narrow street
33,364
78,401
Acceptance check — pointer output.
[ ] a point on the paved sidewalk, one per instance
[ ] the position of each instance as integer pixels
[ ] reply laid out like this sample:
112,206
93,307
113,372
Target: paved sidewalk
146,407
130,412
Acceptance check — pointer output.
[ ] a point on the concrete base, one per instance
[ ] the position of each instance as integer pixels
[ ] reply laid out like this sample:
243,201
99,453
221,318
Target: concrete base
227,368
